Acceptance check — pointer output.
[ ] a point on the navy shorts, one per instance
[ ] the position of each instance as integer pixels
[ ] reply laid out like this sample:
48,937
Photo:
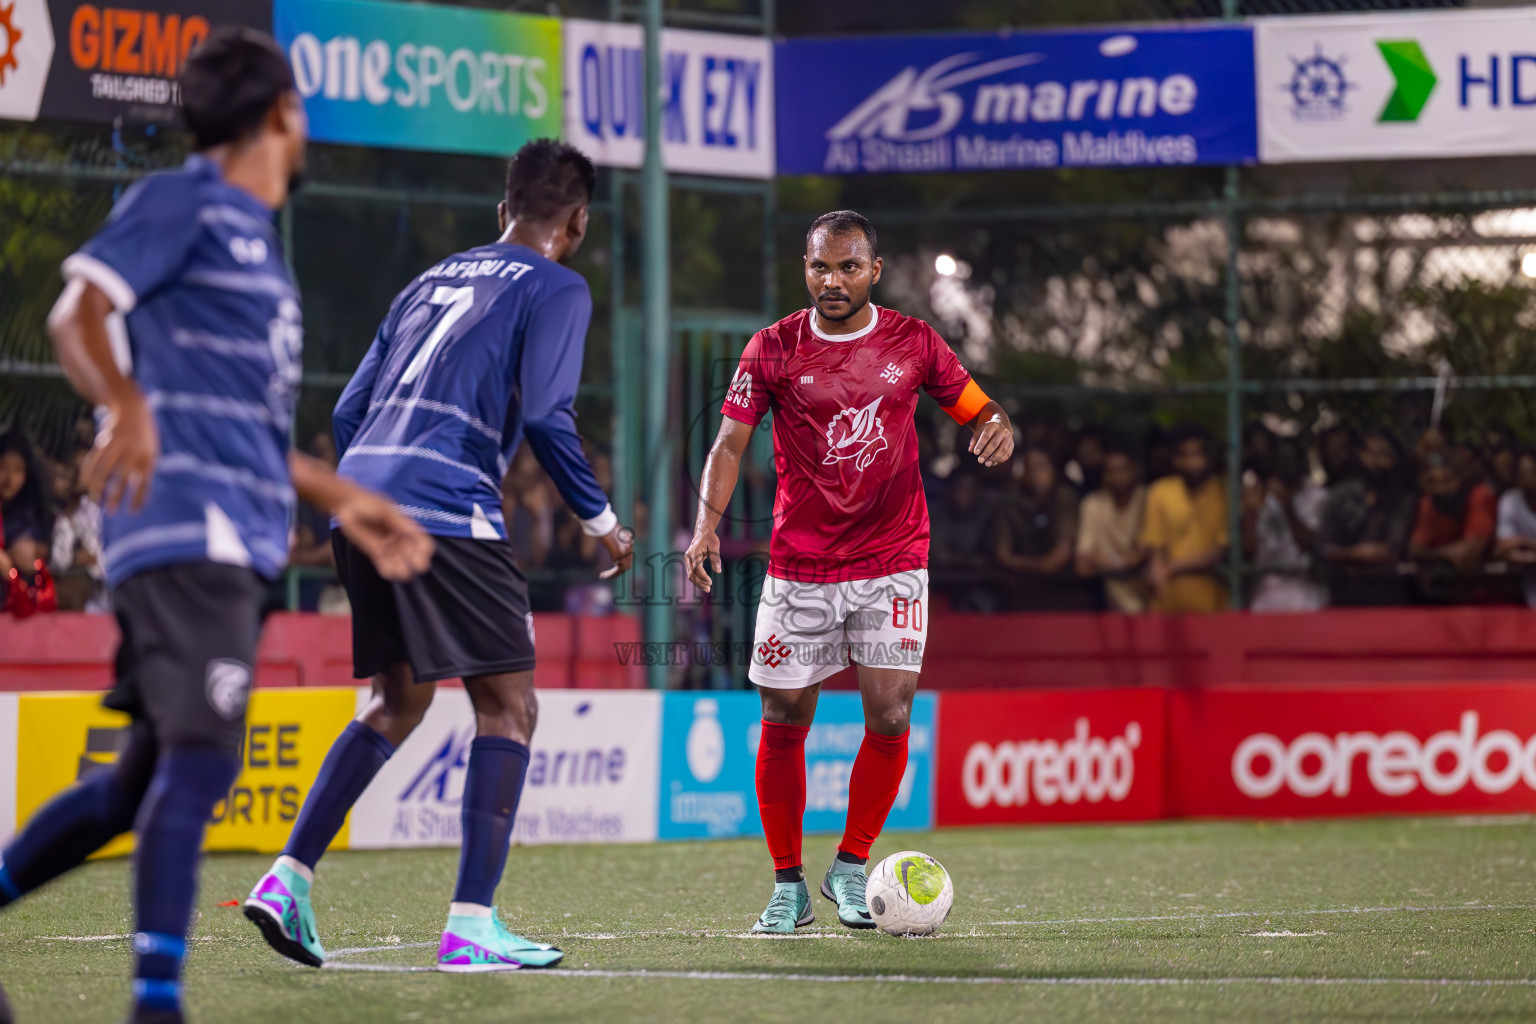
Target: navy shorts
465,616
185,662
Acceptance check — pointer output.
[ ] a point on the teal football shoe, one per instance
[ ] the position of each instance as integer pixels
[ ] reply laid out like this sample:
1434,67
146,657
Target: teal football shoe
845,885
472,944
279,906
789,908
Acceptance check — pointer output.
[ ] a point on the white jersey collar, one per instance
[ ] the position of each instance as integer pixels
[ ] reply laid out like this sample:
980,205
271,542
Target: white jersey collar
838,339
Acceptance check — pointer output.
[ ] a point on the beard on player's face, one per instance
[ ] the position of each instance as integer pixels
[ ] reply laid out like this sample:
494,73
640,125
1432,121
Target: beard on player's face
852,302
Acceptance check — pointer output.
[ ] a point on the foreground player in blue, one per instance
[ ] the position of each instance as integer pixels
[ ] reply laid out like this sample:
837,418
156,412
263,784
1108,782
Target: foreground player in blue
180,320
478,352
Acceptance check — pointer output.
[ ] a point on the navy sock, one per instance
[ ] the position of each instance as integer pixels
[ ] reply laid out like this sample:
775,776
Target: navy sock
79,821
188,783
492,786
354,759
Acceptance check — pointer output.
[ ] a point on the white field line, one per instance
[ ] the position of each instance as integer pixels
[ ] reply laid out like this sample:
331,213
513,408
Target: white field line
108,938
920,979
1267,913
1284,935
709,933
353,950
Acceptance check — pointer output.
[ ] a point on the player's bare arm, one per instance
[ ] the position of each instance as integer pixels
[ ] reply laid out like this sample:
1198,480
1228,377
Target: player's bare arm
123,461
397,546
721,469
992,436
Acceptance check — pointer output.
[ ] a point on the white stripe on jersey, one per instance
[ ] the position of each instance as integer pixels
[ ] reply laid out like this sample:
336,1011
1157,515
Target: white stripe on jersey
234,476
414,452
445,408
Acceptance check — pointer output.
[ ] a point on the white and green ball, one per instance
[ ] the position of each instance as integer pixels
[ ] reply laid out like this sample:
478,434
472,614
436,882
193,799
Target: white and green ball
910,894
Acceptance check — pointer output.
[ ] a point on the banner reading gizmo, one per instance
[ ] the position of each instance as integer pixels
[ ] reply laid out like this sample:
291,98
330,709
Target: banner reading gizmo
423,76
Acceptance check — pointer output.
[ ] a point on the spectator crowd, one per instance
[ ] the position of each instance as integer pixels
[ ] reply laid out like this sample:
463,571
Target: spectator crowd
1082,521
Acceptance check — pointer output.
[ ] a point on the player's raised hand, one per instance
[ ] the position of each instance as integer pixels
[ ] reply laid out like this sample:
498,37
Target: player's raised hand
704,549
394,542
621,548
123,461
992,440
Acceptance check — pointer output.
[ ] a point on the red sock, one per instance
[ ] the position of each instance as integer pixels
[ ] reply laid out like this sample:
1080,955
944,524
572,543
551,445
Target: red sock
781,790
877,773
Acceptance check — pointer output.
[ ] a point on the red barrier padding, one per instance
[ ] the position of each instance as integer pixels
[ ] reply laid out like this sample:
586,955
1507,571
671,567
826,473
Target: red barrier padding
1367,645
1088,755
71,651
1464,748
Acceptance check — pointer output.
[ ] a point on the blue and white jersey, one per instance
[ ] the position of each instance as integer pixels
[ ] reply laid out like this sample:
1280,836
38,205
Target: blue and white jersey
211,332
478,351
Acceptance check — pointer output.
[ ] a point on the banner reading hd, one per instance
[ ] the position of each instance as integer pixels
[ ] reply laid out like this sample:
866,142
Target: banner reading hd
1022,100
717,90
422,76
1441,84
72,60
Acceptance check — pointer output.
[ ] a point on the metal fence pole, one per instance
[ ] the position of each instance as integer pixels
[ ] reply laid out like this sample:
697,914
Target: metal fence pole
1230,11
626,410
658,362
1234,311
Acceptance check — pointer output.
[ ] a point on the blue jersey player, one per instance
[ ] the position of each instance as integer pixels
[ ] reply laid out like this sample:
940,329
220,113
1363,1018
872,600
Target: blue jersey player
179,319
479,352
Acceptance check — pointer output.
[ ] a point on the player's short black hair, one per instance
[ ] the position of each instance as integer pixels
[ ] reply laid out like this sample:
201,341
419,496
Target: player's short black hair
545,177
229,82
839,221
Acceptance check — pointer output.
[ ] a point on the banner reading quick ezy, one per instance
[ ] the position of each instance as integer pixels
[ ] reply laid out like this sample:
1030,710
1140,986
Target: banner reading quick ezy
422,76
1024,100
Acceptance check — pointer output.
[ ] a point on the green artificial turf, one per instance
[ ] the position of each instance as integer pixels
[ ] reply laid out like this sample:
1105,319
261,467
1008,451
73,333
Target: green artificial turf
1427,919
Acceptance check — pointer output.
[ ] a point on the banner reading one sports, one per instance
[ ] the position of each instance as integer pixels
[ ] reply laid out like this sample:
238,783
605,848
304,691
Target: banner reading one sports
717,89
1409,749
423,76
709,759
1431,84
74,60
64,737
1040,756
1120,98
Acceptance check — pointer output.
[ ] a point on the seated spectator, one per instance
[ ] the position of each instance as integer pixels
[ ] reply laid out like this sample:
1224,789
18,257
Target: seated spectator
1516,541
963,557
1109,534
24,506
1279,532
1089,455
1185,529
76,555
1365,525
1036,532
1501,457
1456,517
1337,451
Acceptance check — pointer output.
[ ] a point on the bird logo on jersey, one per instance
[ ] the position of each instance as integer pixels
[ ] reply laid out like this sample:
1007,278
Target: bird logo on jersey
856,434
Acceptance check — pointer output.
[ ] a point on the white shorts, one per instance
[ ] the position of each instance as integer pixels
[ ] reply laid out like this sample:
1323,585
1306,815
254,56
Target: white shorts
809,631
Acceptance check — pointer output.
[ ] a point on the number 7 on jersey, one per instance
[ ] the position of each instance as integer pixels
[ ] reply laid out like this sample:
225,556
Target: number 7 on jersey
458,301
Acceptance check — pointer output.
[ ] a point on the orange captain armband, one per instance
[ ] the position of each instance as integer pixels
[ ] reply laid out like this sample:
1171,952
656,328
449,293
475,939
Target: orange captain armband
971,401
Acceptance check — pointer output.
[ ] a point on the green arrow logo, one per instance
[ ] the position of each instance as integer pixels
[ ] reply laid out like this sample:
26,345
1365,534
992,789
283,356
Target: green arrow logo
1415,79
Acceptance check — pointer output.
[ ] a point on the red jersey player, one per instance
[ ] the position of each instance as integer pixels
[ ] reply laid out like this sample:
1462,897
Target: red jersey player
847,572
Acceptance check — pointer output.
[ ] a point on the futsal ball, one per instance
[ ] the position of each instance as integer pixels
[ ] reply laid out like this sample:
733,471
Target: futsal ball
910,894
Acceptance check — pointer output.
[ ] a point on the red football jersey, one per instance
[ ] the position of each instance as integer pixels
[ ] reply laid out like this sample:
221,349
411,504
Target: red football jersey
850,500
